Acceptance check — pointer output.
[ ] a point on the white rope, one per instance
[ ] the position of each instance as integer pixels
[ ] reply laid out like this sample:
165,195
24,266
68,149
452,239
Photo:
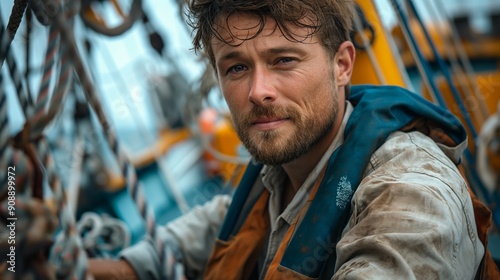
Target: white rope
469,75
369,49
165,173
465,62
418,63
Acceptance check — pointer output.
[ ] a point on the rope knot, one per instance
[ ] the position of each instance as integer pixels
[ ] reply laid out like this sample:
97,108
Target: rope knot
46,11
24,138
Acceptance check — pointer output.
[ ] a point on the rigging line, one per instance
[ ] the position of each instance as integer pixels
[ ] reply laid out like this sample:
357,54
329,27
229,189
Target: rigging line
135,188
445,71
422,65
16,16
368,47
465,61
29,22
397,58
455,66
7,155
139,122
48,66
4,118
427,71
61,90
75,265
63,212
420,57
63,208
6,39
24,100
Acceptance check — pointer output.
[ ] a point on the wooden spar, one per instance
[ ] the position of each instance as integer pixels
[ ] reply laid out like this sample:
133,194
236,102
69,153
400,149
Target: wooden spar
389,60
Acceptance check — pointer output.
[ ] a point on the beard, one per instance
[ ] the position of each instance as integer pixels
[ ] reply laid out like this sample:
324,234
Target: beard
276,147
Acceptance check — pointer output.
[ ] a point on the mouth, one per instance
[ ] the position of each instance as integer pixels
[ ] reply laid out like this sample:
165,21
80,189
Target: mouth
269,123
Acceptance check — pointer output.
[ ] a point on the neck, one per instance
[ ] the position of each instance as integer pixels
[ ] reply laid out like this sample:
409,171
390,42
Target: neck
298,170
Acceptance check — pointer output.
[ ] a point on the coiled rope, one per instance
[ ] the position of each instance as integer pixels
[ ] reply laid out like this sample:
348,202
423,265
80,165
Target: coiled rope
171,268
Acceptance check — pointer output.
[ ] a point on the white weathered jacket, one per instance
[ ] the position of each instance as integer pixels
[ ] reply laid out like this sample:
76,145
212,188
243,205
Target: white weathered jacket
412,218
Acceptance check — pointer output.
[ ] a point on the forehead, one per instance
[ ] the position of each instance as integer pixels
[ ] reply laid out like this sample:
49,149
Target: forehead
240,27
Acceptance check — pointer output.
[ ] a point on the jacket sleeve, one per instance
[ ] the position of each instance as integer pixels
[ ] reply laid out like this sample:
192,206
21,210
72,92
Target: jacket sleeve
412,218
190,237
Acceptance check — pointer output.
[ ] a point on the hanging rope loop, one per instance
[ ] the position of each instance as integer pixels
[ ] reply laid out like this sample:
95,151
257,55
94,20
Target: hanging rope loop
366,27
91,20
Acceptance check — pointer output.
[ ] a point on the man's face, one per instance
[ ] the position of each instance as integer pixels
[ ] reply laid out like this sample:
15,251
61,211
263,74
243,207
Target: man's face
282,94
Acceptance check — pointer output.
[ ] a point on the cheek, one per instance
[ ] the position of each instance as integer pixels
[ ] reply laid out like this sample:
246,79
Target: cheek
236,106
234,92
317,95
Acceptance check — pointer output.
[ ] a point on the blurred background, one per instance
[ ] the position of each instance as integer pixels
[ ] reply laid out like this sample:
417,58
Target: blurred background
115,94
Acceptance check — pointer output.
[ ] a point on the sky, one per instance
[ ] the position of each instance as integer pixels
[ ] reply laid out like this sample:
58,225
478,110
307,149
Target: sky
122,64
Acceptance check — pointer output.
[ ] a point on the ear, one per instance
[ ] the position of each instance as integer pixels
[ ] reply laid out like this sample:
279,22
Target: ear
344,63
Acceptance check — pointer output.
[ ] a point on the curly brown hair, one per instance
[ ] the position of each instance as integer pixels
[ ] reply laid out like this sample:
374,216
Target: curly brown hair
331,20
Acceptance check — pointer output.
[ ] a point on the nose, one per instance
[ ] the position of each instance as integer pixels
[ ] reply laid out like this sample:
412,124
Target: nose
262,91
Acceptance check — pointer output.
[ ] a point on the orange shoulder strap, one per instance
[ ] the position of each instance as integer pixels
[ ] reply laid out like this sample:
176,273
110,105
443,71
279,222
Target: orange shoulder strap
236,258
277,272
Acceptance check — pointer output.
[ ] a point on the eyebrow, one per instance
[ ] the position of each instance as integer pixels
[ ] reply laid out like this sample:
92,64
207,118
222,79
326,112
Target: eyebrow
286,50
278,50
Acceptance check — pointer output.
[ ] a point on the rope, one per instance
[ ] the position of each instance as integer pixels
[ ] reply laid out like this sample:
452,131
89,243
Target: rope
16,77
31,238
423,67
29,23
170,266
465,61
36,219
67,253
42,97
63,84
13,24
426,71
70,257
165,172
471,160
4,120
16,16
367,44
452,57
5,152
134,14
103,235
445,72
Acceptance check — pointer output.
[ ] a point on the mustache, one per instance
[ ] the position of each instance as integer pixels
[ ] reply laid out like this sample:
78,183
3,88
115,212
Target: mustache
269,112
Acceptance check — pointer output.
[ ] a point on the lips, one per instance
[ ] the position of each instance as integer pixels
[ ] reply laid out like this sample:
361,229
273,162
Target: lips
268,123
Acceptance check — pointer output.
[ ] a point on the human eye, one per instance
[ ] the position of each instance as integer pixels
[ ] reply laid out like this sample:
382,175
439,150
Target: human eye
285,60
236,69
